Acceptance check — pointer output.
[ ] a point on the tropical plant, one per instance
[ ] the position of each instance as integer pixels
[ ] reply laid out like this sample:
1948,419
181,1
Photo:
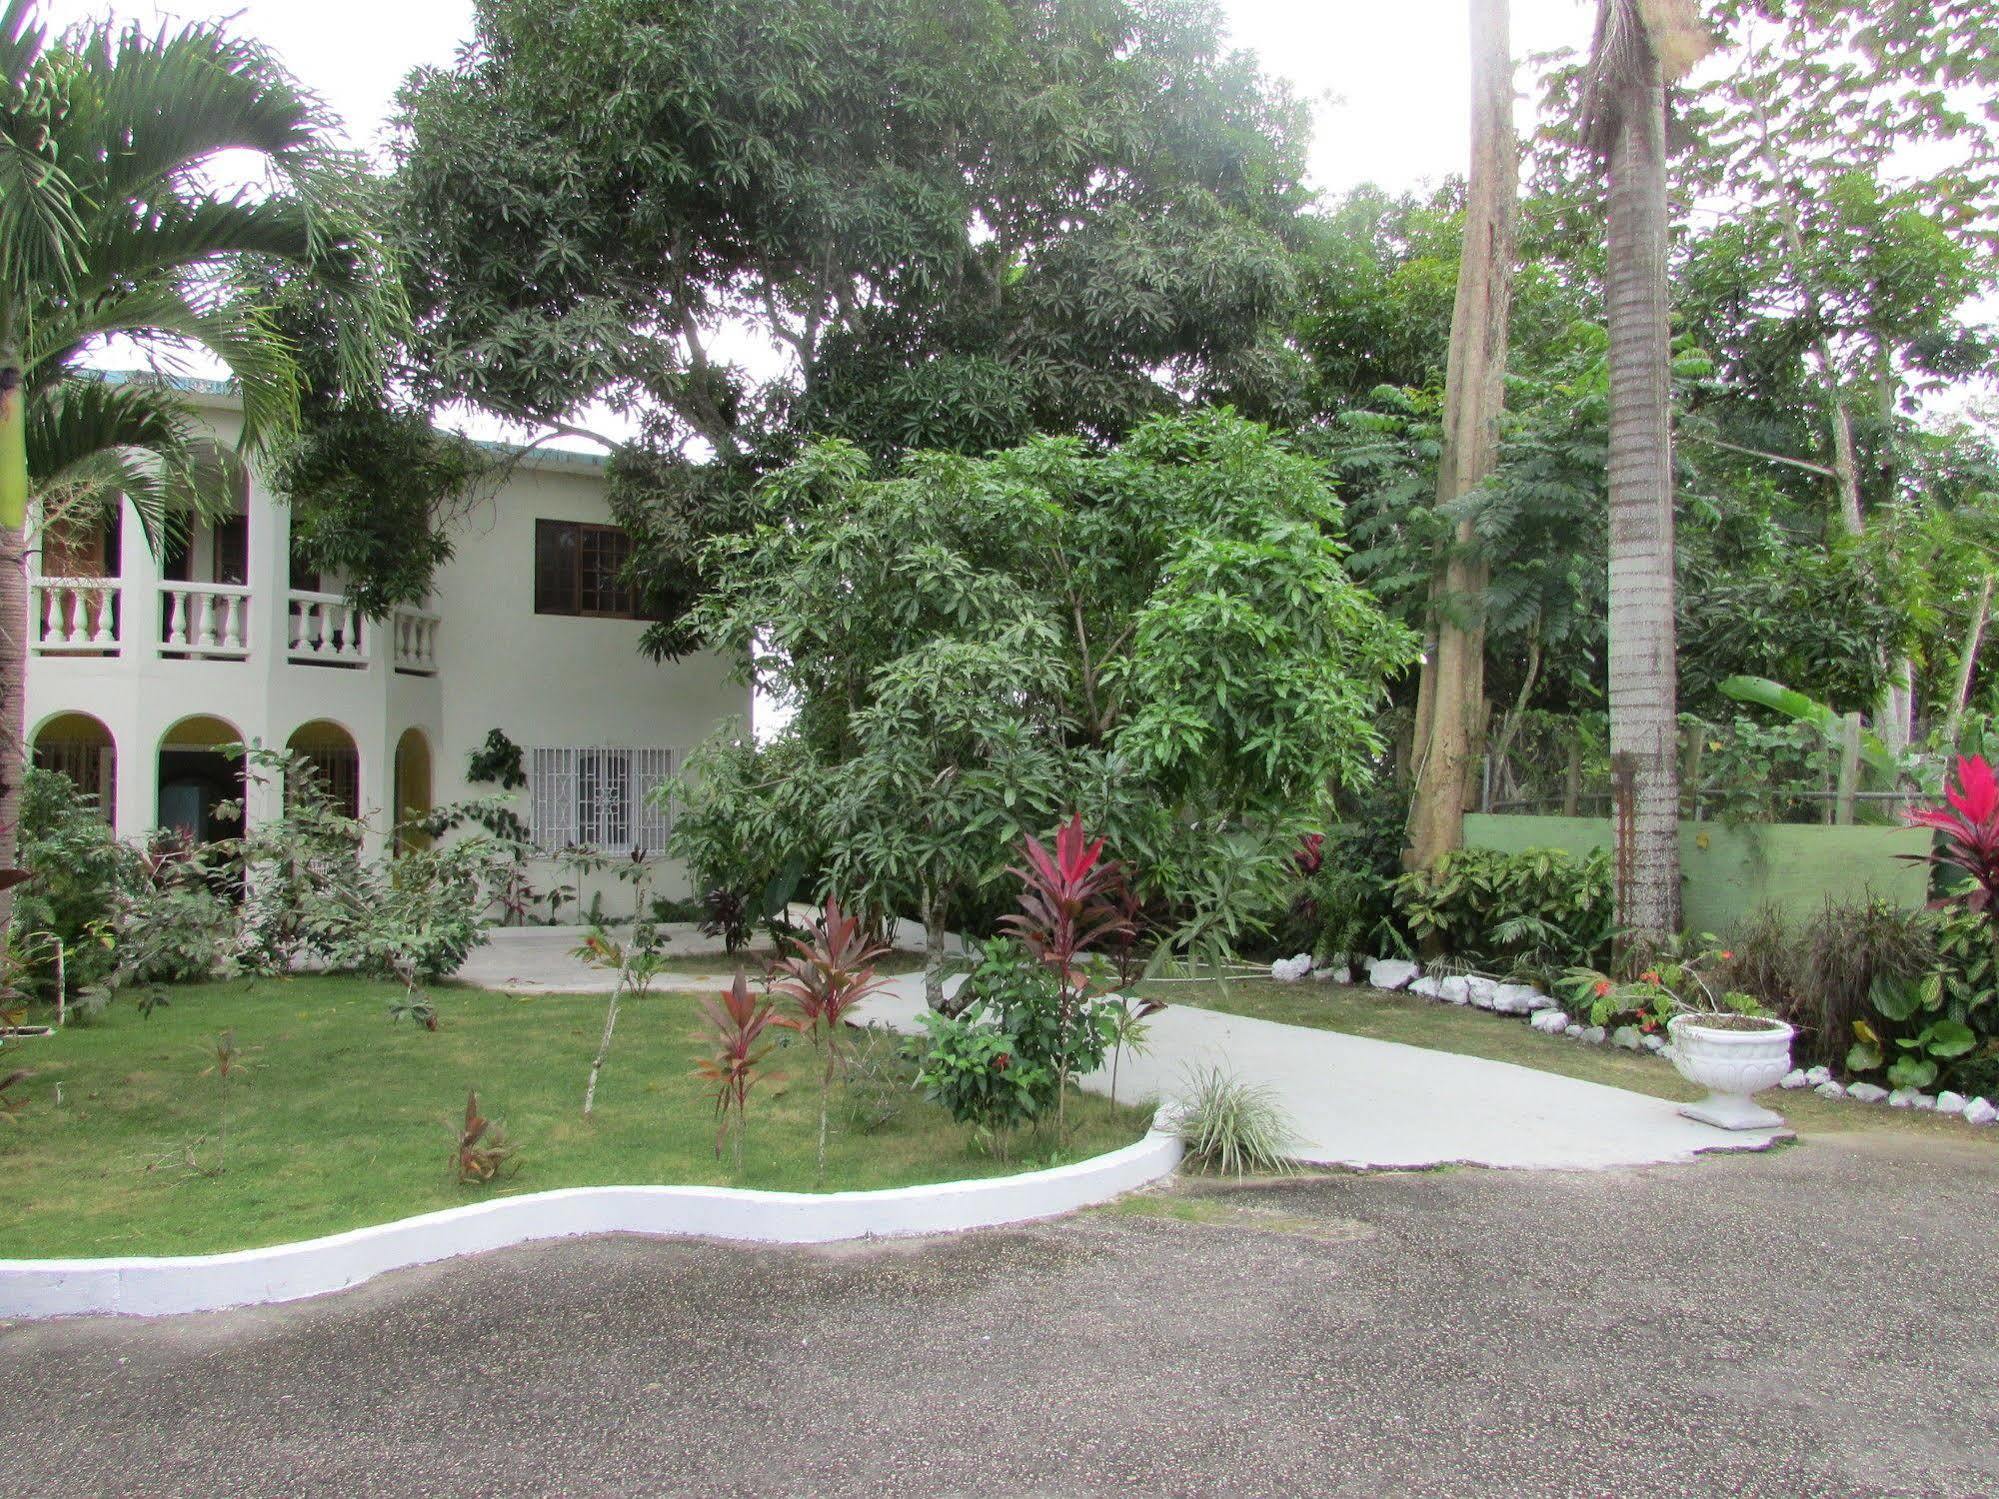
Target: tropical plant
482,1148
737,1020
822,981
1679,976
1537,911
725,914
82,872
1234,1127
1967,828
111,227
1069,905
1848,954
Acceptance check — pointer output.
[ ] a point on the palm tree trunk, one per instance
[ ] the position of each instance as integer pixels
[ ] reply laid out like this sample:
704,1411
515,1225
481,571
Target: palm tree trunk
13,608
1452,690
1643,645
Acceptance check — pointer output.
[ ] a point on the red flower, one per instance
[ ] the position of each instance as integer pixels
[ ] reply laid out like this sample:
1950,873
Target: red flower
1726,955
1001,1062
1602,987
1649,976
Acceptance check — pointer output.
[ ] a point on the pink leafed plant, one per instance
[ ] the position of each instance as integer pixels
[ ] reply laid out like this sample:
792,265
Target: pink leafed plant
821,983
1969,824
1070,901
738,1020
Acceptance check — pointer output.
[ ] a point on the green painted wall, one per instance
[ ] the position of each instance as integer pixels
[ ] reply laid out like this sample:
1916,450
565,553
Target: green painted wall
1728,870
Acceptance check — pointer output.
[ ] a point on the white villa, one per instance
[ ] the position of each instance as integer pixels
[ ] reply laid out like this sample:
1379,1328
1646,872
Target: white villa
141,665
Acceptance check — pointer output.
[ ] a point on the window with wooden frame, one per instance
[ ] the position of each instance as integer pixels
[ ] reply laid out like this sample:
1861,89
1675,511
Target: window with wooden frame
579,569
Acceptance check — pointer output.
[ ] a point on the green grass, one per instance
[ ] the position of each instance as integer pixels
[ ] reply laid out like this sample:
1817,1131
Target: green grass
1416,1021
345,1119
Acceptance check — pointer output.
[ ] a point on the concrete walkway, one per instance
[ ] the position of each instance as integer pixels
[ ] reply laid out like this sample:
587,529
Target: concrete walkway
1370,1104
1354,1101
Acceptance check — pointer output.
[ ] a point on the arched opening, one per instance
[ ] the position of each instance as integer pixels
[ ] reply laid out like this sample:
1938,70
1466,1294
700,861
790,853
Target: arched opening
196,779
331,752
412,788
80,747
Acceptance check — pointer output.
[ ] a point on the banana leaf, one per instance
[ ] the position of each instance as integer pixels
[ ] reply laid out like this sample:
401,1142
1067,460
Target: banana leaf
1761,692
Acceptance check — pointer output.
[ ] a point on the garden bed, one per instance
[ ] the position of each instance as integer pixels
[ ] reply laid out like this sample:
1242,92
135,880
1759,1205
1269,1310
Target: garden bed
344,1119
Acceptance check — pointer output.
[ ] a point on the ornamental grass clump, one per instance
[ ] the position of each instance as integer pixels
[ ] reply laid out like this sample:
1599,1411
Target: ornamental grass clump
1233,1127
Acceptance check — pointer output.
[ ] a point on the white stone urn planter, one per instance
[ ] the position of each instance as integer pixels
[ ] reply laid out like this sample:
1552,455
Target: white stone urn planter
1734,1057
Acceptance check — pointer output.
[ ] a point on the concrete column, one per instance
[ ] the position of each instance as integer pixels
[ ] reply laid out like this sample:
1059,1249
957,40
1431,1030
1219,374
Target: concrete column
139,589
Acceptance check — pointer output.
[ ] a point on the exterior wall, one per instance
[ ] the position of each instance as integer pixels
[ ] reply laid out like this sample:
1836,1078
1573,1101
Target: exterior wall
490,662
1729,870
555,680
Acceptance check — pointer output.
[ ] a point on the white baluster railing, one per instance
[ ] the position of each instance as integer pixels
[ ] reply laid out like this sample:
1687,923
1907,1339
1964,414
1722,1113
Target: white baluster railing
323,628
75,615
206,619
416,642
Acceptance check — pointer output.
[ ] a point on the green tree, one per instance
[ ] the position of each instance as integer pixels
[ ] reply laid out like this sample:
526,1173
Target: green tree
1163,637
109,228
953,225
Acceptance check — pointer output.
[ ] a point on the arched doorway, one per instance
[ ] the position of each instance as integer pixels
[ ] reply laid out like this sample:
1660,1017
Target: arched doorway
81,747
412,788
196,779
331,752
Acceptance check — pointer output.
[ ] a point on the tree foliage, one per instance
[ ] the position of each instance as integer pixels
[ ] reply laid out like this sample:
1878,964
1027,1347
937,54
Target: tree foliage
1162,637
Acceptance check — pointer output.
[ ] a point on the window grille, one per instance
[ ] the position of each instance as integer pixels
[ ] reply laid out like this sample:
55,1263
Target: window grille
600,796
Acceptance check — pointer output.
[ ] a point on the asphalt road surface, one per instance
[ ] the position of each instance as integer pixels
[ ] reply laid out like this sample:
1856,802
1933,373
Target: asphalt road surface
1820,1320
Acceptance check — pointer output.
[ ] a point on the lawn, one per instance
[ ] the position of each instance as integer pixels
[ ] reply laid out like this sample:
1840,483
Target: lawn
344,1118
1415,1021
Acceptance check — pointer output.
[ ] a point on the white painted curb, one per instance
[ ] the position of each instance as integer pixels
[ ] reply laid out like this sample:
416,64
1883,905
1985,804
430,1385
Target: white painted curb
163,1286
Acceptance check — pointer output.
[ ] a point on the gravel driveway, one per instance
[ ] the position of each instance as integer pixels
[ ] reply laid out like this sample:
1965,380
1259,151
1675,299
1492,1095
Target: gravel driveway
1820,1320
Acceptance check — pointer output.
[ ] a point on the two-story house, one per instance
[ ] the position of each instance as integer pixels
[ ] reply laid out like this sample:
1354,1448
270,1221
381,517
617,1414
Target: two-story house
141,665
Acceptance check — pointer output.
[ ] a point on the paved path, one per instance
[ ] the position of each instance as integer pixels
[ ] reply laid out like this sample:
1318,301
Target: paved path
1820,1320
1366,1103
1355,1101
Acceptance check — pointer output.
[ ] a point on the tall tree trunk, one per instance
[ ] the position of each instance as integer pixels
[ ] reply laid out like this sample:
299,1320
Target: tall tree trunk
1967,666
13,609
1645,794
1452,691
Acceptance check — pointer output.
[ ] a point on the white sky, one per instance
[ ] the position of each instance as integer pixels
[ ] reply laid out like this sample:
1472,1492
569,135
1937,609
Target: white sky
1388,81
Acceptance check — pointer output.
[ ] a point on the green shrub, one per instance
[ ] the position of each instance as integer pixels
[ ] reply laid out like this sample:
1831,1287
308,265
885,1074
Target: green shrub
1020,996
969,1066
1849,953
80,871
1233,1127
1538,912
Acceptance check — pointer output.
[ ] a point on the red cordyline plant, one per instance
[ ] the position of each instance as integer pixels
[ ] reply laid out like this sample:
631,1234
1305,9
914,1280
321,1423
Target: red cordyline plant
1069,902
822,981
739,1020
1968,823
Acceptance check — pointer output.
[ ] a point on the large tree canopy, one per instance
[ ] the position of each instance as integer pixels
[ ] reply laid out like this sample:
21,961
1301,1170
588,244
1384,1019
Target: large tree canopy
1163,636
912,223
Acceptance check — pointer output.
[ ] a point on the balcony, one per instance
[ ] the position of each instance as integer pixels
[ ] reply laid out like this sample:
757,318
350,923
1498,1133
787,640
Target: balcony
212,622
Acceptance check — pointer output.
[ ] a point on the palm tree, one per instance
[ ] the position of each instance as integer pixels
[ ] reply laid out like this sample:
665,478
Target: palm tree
1640,46
109,231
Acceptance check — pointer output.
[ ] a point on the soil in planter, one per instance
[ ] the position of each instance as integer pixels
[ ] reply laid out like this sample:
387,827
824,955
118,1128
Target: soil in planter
1735,1023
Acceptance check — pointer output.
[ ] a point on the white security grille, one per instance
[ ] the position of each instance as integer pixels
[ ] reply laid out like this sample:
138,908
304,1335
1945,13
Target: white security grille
599,795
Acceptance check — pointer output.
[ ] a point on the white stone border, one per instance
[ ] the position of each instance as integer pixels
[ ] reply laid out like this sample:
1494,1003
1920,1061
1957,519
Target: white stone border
165,1286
